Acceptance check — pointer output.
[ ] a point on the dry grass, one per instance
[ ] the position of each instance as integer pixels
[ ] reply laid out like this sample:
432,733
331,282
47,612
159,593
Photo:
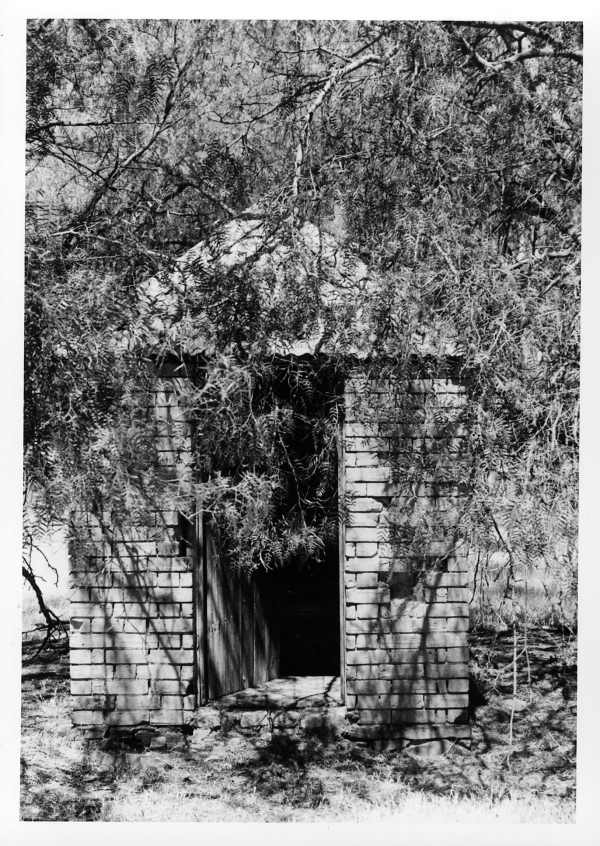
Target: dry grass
236,778
548,597
57,600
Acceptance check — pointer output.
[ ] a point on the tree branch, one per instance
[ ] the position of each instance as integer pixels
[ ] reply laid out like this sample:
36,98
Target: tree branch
555,51
336,76
120,167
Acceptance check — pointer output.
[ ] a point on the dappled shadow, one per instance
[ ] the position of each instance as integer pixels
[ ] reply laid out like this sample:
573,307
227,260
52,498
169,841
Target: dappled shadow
409,467
79,781
541,761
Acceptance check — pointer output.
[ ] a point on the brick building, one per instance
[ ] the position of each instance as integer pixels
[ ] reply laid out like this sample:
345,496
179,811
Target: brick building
160,625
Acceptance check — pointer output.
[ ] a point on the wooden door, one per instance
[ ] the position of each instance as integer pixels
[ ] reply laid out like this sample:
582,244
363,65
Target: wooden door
237,642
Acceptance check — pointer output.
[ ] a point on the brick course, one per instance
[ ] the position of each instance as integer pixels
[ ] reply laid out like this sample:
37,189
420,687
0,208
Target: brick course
405,577
132,609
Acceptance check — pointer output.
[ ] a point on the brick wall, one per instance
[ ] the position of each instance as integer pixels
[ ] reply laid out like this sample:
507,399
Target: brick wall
132,612
405,469
406,473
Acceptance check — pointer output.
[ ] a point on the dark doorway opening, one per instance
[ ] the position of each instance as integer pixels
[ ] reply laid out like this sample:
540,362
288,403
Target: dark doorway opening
303,602
286,620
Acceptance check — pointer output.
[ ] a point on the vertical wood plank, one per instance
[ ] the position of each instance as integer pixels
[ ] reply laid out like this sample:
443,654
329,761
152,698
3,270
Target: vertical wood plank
258,637
223,623
247,631
199,581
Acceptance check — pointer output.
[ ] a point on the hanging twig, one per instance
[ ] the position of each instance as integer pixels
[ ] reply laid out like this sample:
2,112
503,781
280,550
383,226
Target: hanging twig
525,637
514,674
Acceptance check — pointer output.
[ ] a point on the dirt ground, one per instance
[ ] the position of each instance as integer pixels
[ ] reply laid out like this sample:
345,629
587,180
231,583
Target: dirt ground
236,778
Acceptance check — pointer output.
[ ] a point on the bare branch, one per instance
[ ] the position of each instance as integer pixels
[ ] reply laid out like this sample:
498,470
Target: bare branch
555,50
120,167
336,76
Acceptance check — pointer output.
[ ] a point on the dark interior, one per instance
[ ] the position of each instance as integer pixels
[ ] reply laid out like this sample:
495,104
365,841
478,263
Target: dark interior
303,594
303,599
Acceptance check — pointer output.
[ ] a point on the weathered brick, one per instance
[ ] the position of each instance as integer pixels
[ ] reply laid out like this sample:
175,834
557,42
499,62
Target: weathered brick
167,580
126,656
79,594
362,518
370,716
171,595
169,717
409,625
171,686
458,594
457,685
449,609
417,669
80,625
81,609
360,444
392,686
369,610
81,688
172,609
87,718
131,610
127,671
364,549
80,656
127,717
413,640
372,489
358,596
369,626
459,700
172,625
134,701
369,474
162,640
393,656
455,655
88,671
116,625
362,459
99,701
364,565
163,670
173,656
173,702
120,686
367,580
366,534
390,700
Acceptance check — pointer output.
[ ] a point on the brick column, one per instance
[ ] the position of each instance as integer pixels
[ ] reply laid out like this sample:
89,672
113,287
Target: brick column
132,611
406,477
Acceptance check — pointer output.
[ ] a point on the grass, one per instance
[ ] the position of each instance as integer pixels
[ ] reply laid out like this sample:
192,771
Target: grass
57,600
547,598
237,778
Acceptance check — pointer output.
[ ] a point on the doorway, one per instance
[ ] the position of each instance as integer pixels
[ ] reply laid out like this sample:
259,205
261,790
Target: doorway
286,620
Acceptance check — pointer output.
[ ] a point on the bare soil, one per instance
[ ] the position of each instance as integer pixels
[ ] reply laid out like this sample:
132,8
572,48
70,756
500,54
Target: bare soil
236,778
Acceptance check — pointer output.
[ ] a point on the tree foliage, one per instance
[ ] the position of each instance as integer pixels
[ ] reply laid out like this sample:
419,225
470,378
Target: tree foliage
446,156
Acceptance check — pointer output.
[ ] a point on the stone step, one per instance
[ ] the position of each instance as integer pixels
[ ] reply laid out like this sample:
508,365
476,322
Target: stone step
328,722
